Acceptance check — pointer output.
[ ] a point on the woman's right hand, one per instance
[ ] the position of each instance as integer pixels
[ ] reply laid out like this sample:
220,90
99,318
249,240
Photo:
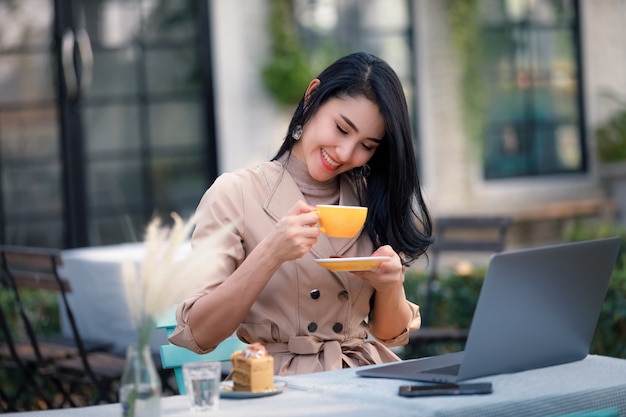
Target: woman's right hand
294,234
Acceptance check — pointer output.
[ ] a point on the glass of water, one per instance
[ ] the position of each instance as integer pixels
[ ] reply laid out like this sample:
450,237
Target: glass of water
202,383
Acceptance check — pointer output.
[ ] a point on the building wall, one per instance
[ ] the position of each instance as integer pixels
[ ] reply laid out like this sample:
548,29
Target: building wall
250,126
445,161
604,43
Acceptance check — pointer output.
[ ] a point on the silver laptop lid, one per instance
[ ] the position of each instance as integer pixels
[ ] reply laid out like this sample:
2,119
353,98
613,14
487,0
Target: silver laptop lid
539,307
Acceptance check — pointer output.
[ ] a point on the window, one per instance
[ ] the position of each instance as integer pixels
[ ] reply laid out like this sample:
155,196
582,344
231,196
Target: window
532,83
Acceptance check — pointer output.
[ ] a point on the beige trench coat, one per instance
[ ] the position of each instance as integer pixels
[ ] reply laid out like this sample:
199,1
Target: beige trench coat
309,318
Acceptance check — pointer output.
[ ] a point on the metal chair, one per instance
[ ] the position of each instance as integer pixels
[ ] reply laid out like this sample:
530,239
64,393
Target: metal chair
69,362
173,357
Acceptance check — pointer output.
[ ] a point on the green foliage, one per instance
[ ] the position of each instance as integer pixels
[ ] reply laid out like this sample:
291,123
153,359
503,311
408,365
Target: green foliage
453,302
288,72
44,308
453,299
611,135
611,139
45,320
465,26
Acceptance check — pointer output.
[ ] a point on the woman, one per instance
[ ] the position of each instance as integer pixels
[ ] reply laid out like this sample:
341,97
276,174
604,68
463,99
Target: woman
348,143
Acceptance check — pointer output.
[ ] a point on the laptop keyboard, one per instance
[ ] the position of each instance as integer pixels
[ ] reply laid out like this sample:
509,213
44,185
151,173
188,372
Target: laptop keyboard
446,370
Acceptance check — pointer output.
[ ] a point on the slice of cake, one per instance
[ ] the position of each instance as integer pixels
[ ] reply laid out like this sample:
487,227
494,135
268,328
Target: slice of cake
253,369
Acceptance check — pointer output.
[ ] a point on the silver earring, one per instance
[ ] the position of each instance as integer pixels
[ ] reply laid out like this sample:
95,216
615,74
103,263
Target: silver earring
365,170
297,133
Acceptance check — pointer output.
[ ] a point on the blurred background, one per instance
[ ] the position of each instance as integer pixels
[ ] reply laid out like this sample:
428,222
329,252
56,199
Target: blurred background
112,111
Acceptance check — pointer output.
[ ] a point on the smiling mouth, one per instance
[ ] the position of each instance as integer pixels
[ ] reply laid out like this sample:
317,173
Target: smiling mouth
329,160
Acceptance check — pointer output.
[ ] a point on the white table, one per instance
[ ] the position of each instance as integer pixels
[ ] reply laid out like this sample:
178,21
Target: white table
97,297
594,383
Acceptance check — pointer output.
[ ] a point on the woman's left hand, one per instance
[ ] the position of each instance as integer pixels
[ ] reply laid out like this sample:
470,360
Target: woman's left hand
391,314
389,275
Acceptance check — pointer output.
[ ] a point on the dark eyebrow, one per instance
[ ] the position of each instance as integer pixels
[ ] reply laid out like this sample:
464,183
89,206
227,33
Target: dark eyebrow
353,126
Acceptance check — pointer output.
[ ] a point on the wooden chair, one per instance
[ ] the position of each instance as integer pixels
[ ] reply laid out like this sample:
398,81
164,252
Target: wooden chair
71,363
457,234
173,357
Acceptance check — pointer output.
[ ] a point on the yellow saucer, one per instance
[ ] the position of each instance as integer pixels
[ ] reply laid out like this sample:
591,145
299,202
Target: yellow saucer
352,264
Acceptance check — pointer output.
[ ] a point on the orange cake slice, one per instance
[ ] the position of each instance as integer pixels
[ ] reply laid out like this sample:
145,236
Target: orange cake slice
253,369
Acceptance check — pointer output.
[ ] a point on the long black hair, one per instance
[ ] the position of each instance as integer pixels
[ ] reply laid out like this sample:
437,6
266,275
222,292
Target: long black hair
397,214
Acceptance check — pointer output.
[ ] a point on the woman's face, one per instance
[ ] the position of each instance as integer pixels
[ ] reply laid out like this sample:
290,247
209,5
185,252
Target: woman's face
343,134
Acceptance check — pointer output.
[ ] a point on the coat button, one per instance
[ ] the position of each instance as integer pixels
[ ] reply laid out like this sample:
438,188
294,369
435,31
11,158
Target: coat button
343,295
315,294
337,327
312,327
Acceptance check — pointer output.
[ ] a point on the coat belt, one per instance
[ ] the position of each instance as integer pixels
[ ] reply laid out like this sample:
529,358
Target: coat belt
331,350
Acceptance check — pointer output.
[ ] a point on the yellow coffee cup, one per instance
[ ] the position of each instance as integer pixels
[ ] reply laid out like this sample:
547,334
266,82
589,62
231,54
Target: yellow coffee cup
341,221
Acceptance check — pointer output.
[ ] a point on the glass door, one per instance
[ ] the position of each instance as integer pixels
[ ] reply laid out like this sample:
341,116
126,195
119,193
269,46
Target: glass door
130,121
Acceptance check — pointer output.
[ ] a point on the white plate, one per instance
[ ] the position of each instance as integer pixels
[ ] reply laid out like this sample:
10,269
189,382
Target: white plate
352,264
226,390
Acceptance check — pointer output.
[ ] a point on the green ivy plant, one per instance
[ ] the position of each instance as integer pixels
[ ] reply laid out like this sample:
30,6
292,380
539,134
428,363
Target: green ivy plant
611,135
288,71
465,27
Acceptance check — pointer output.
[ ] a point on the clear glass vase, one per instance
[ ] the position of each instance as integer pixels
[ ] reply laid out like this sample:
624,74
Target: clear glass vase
140,386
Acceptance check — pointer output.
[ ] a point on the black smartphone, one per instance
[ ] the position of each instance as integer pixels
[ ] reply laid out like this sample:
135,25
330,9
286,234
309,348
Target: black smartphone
445,389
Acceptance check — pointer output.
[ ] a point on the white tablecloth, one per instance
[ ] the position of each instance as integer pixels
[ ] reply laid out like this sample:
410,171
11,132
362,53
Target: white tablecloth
594,383
97,298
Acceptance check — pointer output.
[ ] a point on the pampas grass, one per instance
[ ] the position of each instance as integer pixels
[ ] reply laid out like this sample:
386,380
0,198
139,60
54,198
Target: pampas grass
167,274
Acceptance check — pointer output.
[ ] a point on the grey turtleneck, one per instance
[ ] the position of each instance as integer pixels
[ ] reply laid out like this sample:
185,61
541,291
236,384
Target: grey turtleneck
315,192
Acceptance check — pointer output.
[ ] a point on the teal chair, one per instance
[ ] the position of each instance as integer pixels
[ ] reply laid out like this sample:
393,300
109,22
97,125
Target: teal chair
173,356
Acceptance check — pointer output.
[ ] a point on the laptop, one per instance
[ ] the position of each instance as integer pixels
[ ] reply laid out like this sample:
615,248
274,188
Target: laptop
537,307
